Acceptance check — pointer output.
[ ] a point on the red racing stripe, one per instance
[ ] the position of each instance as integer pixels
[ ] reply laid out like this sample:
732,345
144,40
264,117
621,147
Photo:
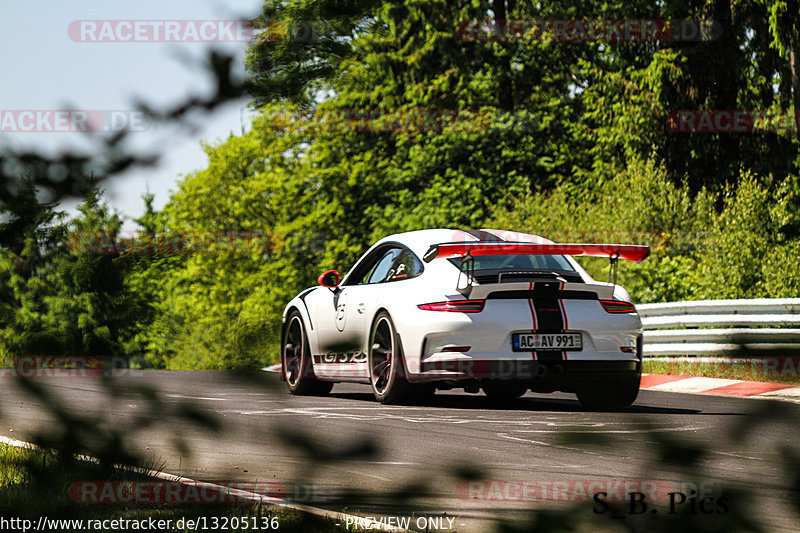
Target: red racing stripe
549,317
533,316
563,319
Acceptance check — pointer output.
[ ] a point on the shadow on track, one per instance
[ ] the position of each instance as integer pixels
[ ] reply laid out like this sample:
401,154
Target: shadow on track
526,403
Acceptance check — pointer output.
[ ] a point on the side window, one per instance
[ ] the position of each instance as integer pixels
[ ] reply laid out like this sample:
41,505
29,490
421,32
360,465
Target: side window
382,269
405,266
394,264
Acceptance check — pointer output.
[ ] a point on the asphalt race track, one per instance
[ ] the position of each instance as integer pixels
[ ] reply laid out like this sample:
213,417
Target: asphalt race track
538,452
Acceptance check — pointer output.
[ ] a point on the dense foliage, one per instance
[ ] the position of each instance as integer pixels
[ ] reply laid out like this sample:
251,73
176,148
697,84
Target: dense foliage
378,117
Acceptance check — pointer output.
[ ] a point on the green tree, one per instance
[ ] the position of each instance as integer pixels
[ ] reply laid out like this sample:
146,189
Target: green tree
31,236
86,309
68,298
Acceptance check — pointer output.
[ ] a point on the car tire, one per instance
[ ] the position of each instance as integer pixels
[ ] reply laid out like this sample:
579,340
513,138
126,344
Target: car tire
385,363
504,390
610,393
296,364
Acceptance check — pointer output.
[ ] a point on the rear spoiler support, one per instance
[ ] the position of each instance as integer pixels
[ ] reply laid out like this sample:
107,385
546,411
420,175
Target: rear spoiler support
612,267
468,269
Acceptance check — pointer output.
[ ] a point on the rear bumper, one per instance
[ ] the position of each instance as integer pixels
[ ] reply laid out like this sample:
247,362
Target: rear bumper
430,337
520,369
542,375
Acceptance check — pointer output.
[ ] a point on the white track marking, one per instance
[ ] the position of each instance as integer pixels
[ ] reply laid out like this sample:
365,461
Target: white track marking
548,444
196,397
792,395
605,431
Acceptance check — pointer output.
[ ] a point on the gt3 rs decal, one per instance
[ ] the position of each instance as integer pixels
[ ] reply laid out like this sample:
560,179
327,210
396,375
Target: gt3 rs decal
548,315
341,357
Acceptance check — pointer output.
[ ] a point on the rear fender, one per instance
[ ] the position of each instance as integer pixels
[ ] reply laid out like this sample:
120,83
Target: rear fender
299,304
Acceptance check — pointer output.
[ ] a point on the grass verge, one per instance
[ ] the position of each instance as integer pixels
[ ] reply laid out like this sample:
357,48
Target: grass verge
36,483
769,369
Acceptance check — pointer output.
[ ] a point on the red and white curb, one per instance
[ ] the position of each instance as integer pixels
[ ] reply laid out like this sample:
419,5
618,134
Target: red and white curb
721,387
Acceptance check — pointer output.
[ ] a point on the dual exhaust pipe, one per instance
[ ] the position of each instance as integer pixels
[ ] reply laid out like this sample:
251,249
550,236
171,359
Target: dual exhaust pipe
556,370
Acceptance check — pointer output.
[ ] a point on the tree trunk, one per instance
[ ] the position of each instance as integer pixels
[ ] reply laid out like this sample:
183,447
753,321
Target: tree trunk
505,95
726,87
794,66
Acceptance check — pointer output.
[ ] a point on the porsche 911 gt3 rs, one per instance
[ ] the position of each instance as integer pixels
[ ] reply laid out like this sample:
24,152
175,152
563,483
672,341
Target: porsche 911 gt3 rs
495,310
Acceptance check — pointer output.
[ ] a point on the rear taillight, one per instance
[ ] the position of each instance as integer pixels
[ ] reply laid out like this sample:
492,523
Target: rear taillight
616,306
462,306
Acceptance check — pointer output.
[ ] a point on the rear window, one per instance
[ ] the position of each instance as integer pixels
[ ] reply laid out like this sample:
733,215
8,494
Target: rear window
518,262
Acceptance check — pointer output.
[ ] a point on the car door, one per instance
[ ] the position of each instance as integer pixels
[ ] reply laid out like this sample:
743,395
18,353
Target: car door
396,264
361,299
341,314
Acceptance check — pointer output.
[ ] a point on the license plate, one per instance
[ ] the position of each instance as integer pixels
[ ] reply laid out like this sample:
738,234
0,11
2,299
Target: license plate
539,342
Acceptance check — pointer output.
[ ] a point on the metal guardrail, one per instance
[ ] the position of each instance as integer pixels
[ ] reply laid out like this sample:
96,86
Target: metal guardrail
722,327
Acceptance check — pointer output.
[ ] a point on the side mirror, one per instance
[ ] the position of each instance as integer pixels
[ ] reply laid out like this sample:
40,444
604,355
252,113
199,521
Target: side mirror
329,279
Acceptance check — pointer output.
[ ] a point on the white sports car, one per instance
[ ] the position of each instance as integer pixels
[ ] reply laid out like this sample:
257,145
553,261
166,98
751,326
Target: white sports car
479,309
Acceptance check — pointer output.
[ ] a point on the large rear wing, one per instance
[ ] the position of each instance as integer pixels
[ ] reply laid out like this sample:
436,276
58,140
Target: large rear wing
630,252
468,250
